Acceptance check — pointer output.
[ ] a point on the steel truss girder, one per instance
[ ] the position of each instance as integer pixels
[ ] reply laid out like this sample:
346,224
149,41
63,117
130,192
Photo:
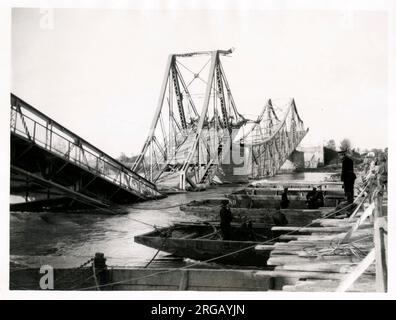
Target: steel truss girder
29,124
194,148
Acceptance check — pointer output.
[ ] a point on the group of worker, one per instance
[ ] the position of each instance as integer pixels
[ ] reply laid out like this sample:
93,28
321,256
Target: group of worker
314,199
377,166
278,218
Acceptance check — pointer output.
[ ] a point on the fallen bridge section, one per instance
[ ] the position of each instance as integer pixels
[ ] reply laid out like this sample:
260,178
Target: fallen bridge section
54,168
271,140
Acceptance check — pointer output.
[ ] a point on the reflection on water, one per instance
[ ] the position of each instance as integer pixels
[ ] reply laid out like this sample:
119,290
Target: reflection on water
68,240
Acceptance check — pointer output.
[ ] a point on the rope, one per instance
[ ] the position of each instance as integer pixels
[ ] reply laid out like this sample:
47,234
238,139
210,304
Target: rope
76,286
346,249
116,213
152,259
66,276
16,269
162,245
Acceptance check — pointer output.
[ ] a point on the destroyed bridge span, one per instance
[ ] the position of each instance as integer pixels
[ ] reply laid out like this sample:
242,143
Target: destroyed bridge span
53,168
194,140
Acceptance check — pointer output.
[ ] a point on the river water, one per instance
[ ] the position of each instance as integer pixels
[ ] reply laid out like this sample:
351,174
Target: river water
68,240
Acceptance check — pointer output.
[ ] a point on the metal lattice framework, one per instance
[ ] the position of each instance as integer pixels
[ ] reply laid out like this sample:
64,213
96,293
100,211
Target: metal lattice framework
271,140
184,144
39,131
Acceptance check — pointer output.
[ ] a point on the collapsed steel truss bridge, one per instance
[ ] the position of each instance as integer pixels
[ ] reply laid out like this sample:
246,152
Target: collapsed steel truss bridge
196,123
271,140
195,137
52,167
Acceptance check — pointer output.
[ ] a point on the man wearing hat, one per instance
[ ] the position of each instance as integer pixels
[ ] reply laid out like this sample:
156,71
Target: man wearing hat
347,175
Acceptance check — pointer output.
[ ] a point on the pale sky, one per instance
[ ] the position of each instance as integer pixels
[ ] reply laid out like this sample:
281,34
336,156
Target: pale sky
99,72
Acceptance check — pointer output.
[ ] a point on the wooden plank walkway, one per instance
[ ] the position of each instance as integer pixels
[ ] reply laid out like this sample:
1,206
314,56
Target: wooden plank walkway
329,255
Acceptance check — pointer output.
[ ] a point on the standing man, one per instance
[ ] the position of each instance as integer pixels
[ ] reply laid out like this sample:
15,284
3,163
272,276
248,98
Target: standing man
347,176
225,220
285,201
312,199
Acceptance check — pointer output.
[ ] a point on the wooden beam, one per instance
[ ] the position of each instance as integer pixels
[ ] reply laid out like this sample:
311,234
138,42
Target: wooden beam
357,272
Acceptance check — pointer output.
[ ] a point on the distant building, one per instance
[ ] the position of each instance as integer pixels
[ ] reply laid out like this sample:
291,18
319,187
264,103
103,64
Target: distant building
313,156
297,159
309,158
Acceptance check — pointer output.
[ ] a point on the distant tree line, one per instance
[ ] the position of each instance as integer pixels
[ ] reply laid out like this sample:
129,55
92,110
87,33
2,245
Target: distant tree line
346,145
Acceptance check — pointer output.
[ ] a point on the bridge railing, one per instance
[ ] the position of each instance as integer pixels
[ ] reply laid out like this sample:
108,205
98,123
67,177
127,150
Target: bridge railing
36,127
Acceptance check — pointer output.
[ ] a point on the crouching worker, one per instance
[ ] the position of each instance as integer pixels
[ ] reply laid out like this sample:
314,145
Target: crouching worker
225,220
279,218
314,199
247,232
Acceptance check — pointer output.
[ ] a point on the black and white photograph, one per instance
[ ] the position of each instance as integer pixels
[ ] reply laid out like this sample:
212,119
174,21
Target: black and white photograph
231,147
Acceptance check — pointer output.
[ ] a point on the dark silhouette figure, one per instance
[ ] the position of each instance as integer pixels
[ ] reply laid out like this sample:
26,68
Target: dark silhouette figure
246,231
279,218
285,201
314,199
347,176
320,199
225,220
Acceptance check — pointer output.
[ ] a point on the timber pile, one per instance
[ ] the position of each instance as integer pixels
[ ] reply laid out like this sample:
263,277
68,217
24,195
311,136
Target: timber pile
319,260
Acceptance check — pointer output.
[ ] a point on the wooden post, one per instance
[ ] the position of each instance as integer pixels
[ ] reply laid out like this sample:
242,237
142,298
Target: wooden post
182,180
378,204
356,273
380,242
183,285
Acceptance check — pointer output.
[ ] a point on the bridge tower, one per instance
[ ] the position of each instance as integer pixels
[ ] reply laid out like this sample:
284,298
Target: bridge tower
193,123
